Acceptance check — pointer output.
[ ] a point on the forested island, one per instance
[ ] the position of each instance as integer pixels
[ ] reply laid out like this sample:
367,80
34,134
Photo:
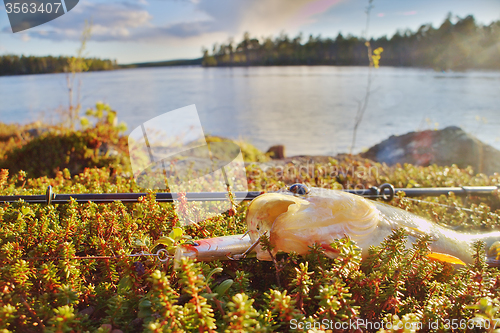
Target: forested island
460,45
17,65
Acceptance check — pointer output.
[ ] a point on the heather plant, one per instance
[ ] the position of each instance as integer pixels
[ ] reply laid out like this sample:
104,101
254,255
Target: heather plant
61,148
68,267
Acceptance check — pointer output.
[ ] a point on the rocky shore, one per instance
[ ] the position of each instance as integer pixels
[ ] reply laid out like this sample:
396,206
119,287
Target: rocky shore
31,147
445,147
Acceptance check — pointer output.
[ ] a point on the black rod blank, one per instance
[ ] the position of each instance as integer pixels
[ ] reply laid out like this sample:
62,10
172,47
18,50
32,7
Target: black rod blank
125,197
385,191
433,191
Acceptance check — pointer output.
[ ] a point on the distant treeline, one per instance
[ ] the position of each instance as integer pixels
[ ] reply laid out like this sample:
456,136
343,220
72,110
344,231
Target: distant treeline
464,44
15,65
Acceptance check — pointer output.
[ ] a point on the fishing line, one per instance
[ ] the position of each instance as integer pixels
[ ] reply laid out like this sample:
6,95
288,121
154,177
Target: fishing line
161,255
449,206
439,204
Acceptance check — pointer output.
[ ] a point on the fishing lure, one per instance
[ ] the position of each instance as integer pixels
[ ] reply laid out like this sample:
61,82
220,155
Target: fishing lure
300,217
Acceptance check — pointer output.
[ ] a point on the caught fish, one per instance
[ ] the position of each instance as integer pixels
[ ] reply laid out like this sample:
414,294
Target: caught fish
296,220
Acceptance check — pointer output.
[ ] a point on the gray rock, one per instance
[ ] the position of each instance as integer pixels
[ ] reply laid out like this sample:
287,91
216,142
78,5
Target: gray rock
108,150
443,147
87,311
277,152
36,131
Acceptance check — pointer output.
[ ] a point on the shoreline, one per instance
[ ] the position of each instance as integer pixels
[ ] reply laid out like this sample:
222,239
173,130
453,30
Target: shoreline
128,67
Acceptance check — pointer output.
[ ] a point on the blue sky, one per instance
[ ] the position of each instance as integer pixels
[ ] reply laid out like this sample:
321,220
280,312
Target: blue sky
151,30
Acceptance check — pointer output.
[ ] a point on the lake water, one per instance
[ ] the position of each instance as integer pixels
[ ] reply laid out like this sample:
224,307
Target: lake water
310,110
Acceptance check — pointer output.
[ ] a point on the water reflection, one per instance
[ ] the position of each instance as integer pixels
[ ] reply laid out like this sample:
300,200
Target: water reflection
309,109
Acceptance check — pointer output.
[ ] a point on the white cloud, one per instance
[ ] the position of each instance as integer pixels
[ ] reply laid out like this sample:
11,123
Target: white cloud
110,21
130,21
261,17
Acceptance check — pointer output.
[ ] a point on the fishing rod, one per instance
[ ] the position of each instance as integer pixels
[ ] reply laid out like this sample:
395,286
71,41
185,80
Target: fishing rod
385,192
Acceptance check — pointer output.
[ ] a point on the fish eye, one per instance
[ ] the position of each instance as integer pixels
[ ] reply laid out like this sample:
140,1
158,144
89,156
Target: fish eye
299,189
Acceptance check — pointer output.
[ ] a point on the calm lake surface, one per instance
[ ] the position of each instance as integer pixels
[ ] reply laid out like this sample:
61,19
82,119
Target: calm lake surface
310,110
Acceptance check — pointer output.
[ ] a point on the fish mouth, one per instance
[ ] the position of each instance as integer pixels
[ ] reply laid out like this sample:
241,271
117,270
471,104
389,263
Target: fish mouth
263,212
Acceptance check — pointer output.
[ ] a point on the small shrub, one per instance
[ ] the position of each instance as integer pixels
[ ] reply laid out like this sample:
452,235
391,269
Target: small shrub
46,284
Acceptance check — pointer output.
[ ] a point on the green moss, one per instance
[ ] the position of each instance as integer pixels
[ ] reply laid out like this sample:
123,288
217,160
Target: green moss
73,150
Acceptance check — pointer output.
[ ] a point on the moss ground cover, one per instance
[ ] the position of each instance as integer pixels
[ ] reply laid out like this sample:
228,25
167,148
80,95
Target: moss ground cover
45,285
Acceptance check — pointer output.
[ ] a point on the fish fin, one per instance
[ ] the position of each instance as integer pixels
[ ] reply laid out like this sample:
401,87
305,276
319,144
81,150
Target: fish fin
445,258
415,232
330,252
493,254
494,250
